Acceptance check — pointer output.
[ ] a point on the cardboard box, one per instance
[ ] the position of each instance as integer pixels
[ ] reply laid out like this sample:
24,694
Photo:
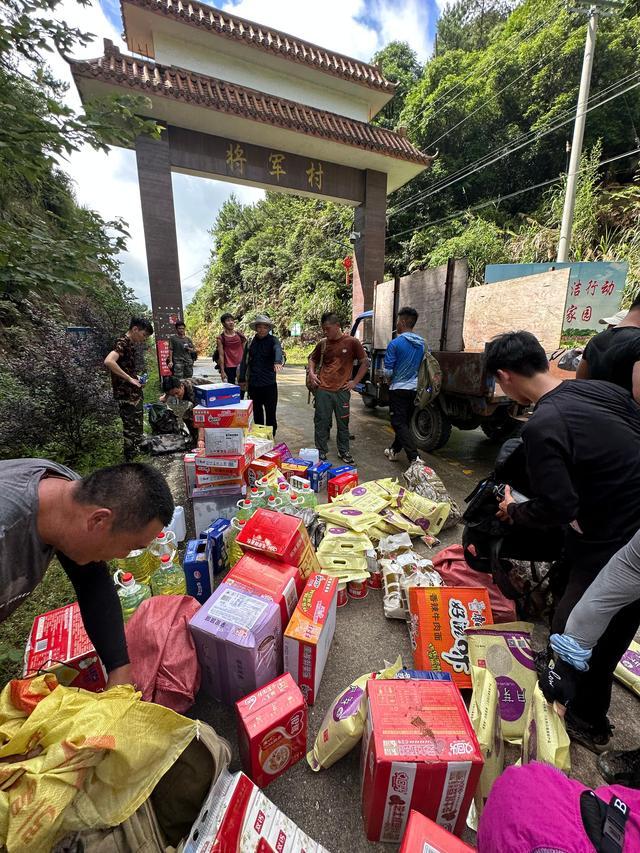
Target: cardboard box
318,476
424,836
217,395
237,818
284,538
218,481
259,468
337,470
277,582
341,484
309,634
196,570
238,641
217,537
58,643
260,445
225,441
292,466
272,730
283,450
236,463
439,617
211,503
420,752
238,415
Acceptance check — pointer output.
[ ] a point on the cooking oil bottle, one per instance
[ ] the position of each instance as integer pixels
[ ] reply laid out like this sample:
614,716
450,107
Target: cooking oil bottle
169,579
130,592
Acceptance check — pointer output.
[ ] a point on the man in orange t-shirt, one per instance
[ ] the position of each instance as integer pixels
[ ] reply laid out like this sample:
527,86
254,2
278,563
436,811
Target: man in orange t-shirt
334,383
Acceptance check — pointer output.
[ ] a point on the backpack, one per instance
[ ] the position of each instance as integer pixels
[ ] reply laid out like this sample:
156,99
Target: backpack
162,420
429,380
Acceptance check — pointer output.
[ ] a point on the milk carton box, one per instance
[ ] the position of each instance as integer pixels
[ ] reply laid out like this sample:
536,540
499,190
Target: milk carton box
341,483
217,535
281,537
196,570
217,395
225,441
231,416
259,468
318,476
272,730
58,643
420,752
238,641
309,634
277,582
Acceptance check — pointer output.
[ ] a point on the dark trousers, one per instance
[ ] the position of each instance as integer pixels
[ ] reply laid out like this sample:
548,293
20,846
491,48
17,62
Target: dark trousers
132,427
265,403
586,560
231,374
328,403
401,408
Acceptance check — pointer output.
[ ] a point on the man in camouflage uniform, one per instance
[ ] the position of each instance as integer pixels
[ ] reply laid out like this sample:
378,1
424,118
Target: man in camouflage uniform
127,389
183,353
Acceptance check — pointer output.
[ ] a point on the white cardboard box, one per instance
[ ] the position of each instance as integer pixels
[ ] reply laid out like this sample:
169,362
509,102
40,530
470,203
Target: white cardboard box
225,441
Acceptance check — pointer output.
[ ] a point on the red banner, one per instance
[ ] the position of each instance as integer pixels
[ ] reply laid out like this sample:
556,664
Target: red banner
162,349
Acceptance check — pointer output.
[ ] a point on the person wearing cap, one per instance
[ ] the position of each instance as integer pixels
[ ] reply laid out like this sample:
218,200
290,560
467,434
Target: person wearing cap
614,355
262,359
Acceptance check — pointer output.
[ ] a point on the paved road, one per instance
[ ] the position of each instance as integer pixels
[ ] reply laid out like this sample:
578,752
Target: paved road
327,805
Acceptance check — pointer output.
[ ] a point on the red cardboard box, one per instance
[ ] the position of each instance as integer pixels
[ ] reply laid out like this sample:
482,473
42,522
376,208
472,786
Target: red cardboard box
232,464
259,468
272,730
309,634
278,582
237,415
282,537
424,836
58,643
419,752
274,456
341,484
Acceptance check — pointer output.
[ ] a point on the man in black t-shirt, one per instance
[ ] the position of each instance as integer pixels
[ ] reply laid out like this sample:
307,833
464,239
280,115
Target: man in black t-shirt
582,448
261,361
614,355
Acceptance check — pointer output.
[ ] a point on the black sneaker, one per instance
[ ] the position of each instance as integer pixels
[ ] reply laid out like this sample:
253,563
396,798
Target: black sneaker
348,458
592,737
323,457
620,767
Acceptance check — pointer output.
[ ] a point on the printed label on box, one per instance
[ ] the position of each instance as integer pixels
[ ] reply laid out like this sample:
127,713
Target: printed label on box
238,609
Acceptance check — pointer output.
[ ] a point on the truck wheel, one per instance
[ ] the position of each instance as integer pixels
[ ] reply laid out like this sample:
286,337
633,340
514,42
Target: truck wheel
500,427
369,401
430,428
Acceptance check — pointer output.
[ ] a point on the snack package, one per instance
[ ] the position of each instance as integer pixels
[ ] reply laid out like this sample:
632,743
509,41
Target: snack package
364,498
261,431
628,670
398,521
348,516
505,650
429,516
343,723
386,488
392,545
396,581
334,536
424,481
342,563
341,548
484,712
545,736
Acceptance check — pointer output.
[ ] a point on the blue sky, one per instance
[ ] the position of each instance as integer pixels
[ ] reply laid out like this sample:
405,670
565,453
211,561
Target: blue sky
108,183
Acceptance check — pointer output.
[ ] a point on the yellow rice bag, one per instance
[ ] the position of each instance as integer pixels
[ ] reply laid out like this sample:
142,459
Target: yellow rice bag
348,516
628,670
545,736
395,519
505,650
342,562
484,712
343,723
364,498
261,431
428,515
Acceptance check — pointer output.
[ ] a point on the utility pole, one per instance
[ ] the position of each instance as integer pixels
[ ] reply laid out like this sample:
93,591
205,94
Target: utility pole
578,135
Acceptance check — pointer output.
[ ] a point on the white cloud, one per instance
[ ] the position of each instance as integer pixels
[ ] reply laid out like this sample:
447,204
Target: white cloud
108,182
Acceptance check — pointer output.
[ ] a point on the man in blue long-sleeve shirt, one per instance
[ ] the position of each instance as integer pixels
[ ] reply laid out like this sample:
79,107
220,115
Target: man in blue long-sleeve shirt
401,363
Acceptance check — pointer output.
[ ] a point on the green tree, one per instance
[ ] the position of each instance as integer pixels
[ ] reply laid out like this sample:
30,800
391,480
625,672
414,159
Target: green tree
468,24
398,63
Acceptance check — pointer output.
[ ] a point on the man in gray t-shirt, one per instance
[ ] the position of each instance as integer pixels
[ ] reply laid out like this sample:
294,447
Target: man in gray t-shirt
47,510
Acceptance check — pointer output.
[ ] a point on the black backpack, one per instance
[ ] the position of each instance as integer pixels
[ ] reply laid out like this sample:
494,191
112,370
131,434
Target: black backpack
162,420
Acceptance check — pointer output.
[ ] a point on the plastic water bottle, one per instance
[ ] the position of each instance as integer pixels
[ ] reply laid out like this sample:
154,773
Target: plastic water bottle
143,379
245,509
169,579
234,551
177,525
308,496
131,593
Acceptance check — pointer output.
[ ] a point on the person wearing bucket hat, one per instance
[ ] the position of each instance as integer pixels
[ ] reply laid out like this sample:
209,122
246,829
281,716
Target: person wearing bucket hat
614,355
262,359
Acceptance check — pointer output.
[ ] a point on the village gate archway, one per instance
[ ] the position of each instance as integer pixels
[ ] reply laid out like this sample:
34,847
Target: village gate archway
244,103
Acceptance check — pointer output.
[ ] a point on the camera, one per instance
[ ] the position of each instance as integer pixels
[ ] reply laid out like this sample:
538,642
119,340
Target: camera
354,237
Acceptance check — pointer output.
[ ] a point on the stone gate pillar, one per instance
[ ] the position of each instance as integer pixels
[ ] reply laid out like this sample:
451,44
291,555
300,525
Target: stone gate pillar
370,221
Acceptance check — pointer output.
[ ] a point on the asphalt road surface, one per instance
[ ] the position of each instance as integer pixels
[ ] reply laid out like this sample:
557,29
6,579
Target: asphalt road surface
326,805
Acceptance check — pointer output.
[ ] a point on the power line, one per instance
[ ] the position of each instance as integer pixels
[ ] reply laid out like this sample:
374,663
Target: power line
502,198
511,147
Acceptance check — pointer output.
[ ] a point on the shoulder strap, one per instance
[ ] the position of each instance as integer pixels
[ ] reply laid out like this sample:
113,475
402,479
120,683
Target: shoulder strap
323,346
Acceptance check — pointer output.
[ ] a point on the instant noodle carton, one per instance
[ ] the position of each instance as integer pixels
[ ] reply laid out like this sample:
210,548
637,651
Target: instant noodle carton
424,836
309,634
237,415
236,816
439,618
341,484
58,643
272,730
284,538
419,752
238,641
277,582
259,468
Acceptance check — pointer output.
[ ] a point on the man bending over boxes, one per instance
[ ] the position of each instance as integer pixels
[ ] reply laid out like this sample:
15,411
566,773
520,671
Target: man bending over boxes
47,511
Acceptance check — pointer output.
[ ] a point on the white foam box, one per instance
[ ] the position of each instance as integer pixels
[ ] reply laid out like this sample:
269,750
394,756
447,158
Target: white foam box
236,816
225,441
